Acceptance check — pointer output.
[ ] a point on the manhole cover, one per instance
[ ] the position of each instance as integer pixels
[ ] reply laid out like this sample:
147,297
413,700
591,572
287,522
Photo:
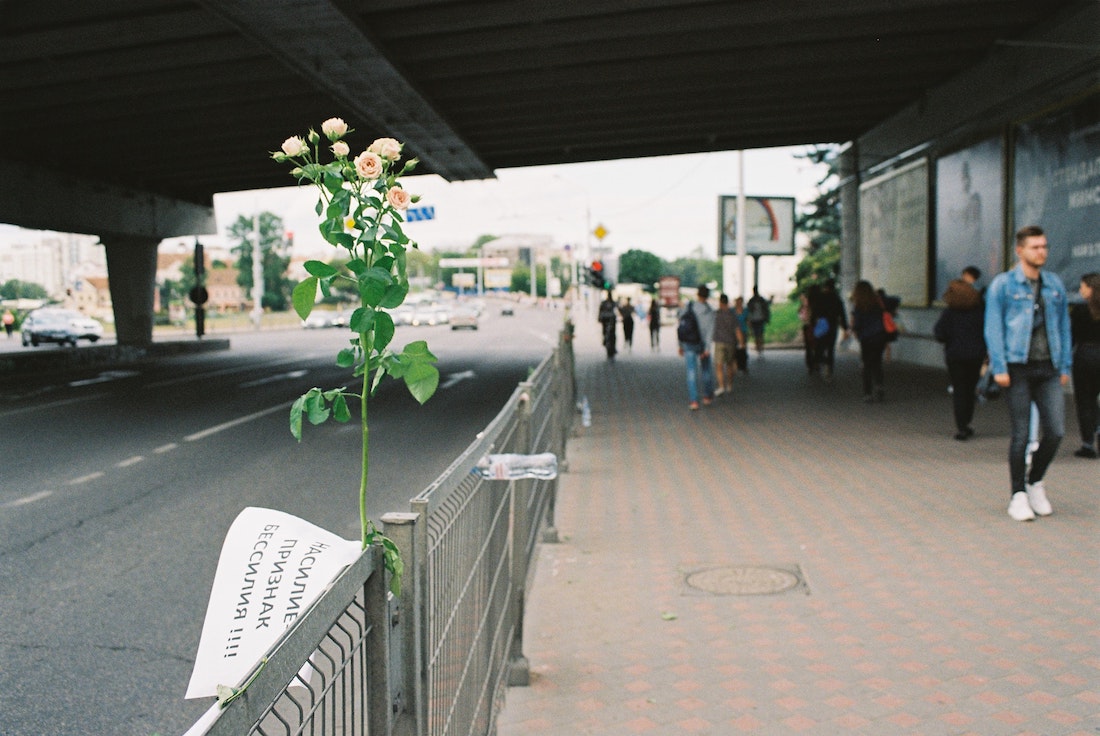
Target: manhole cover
743,580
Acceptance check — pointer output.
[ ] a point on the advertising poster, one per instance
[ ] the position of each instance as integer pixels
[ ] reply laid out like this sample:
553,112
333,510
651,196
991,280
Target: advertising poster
769,226
969,222
1058,187
893,228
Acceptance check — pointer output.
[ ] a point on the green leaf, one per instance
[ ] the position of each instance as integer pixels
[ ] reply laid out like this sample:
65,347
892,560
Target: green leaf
346,358
357,266
320,269
333,181
296,410
384,330
422,380
360,320
372,285
340,410
419,350
304,296
394,295
316,411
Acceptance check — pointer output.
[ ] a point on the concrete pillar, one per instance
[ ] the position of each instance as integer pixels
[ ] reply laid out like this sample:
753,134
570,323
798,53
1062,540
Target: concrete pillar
131,270
848,170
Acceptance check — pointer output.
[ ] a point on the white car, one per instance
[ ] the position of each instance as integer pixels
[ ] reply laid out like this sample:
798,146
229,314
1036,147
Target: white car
63,326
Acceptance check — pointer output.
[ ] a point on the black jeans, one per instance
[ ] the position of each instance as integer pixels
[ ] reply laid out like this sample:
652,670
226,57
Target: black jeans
1041,384
964,383
870,351
1086,390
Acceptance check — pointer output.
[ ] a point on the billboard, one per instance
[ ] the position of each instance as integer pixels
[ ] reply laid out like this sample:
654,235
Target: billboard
969,223
893,231
769,226
1057,173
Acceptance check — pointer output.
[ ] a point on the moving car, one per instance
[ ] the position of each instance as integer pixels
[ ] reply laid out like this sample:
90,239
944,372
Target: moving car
464,318
51,324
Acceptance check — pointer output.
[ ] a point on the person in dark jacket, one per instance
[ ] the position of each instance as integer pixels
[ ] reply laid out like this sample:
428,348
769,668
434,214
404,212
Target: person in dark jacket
826,304
1084,326
961,330
867,325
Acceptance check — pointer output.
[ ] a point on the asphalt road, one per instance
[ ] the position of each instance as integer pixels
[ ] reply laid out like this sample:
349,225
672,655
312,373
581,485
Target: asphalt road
117,488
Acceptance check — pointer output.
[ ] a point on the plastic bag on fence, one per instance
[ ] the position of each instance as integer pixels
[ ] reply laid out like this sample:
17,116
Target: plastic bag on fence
513,466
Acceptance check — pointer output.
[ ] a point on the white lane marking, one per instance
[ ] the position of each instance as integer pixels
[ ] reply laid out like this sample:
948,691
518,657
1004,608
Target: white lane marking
454,378
105,377
130,461
165,448
234,422
274,378
27,499
86,478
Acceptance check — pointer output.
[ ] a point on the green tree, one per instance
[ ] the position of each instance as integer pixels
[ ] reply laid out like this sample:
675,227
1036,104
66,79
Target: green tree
275,255
521,280
821,221
696,270
640,267
16,289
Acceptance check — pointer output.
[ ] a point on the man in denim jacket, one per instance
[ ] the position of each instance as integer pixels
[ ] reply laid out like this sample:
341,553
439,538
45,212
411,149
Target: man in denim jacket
1027,335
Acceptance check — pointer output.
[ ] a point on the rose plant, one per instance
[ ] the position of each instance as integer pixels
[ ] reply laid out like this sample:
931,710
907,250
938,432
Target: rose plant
360,203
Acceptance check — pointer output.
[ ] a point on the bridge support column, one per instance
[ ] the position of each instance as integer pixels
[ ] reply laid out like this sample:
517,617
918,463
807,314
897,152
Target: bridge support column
131,270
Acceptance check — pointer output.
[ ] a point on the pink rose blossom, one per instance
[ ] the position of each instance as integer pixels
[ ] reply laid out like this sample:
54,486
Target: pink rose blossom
369,165
334,128
398,198
387,148
339,148
294,146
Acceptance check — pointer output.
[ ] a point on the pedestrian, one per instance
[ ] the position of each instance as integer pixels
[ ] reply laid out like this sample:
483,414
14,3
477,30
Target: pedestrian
654,324
606,317
9,322
742,349
695,332
959,328
727,335
805,317
1030,353
626,310
867,311
1084,324
760,313
828,316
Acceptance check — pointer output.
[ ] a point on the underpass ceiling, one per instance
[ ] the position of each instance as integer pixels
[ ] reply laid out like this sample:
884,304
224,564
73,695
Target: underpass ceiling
184,98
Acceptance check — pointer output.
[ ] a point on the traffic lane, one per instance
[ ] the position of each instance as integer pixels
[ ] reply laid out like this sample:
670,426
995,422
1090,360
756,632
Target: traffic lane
163,545
114,604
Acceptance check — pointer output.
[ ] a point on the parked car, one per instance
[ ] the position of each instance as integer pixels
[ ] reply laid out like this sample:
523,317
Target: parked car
51,324
464,318
321,318
430,314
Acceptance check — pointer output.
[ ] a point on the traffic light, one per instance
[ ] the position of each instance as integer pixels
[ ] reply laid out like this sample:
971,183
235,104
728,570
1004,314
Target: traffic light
595,274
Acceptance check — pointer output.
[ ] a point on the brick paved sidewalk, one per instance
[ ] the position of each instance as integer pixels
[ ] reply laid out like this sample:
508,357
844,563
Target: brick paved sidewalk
915,605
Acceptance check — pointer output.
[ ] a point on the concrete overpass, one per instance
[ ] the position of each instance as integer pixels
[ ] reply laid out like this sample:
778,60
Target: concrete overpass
121,118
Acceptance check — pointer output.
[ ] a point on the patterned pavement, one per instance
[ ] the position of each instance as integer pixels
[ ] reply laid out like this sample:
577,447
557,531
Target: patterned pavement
793,561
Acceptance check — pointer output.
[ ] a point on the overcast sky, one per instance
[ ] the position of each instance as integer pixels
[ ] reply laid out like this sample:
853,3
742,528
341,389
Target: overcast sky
666,205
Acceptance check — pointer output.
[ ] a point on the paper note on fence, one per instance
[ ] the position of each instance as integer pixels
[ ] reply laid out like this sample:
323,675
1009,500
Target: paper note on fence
272,566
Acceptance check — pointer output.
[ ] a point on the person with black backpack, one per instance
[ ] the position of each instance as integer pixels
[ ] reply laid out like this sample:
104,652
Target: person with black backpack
695,331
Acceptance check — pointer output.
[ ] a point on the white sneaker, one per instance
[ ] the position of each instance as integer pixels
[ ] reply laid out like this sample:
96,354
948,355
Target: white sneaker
1019,509
719,391
1037,498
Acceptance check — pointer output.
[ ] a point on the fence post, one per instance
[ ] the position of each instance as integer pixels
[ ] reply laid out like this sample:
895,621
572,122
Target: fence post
519,668
376,605
411,719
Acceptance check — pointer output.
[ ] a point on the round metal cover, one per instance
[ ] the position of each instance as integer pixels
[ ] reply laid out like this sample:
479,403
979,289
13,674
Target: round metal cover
743,580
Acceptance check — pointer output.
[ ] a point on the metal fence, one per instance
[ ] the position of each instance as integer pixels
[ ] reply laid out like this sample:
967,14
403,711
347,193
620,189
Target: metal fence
437,660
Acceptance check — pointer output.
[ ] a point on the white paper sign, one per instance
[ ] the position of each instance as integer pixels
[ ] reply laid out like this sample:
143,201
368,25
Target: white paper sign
272,567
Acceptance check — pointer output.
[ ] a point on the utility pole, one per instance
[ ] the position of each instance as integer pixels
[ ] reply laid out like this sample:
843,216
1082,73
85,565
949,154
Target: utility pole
257,273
